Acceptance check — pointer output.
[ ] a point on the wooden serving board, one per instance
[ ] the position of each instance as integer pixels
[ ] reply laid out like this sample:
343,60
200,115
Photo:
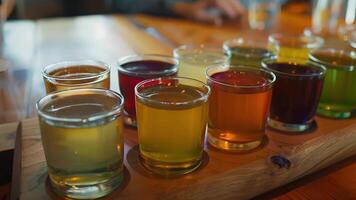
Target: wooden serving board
222,175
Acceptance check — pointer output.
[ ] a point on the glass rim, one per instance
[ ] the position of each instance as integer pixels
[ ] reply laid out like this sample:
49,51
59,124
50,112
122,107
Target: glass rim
203,98
275,60
72,63
315,41
139,57
270,82
313,58
177,52
113,111
241,41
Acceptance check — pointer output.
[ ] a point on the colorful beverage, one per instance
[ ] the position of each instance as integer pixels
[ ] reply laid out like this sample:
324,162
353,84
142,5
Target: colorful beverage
83,141
338,99
134,69
172,118
288,47
238,106
296,94
193,61
75,75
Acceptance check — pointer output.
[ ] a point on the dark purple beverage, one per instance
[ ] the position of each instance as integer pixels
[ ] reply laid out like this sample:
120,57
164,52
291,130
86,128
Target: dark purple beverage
296,95
134,69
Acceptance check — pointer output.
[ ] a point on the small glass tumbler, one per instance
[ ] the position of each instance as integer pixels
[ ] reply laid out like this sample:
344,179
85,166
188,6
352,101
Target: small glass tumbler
296,94
248,52
296,47
238,106
136,68
76,74
82,138
338,99
171,118
193,60
262,14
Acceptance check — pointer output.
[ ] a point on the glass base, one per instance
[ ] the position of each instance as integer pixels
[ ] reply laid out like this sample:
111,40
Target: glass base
87,191
233,146
333,113
169,169
281,126
130,121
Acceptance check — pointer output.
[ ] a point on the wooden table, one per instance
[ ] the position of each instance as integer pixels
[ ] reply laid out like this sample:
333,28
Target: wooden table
29,46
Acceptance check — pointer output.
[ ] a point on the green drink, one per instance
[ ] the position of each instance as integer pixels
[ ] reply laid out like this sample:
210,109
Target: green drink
246,52
338,99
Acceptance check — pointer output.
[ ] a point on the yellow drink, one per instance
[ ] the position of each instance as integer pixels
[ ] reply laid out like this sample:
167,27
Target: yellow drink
296,47
83,147
171,126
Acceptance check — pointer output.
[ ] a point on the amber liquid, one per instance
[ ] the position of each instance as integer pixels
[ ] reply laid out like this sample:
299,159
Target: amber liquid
171,136
237,117
82,154
77,77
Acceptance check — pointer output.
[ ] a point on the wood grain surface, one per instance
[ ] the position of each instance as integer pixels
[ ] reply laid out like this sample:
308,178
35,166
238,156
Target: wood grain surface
32,45
222,175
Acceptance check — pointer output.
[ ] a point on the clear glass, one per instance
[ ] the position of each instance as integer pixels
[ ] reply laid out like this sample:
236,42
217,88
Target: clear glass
238,106
136,68
76,74
171,120
338,99
352,39
296,93
193,60
246,51
82,138
295,47
327,14
262,14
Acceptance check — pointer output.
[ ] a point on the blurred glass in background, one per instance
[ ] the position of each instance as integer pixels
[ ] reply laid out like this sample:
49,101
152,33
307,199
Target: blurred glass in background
262,14
328,15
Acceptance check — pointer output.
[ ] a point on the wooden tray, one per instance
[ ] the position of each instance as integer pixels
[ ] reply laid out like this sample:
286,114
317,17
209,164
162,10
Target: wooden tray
222,176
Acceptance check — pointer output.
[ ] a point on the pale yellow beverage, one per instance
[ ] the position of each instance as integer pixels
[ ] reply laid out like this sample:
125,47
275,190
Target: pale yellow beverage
193,61
83,141
172,122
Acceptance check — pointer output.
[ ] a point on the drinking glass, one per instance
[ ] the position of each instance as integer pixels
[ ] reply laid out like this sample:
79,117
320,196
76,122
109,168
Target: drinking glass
296,93
82,138
243,51
76,74
136,68
295,47
238,106
193,60
171,120
338,99
262,14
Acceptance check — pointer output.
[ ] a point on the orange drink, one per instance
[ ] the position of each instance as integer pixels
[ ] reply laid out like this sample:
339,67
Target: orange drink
238,107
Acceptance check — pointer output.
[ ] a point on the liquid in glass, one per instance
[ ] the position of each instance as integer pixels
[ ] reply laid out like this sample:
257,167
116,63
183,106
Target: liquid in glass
172,119
238,107
83,141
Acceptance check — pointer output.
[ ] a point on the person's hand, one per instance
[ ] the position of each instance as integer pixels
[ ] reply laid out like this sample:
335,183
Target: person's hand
210,11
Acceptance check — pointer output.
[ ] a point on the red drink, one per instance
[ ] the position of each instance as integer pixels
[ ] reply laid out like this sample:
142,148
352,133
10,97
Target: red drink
134,69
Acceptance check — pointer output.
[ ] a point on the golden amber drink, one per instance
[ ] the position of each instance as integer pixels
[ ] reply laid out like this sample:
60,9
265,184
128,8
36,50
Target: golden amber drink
238,106
288,47
76,74
172,118
82,138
